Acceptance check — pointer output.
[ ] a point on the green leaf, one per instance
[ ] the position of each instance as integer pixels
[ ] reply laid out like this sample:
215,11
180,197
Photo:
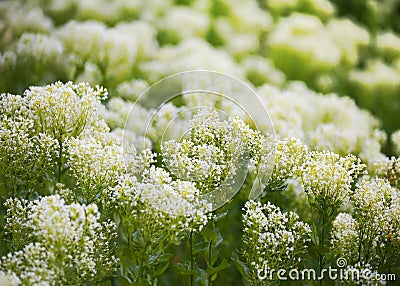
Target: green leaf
220,216
223,265
311,200
200,247
240,265
311,263
314,234
184,268
161,269
209,234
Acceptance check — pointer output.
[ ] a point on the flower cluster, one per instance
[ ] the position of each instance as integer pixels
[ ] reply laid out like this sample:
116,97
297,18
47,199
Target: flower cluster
152,214
389,169
70,164
208,156
27,153
345,237
66,244
9,279
96,162
371,234
327,178
290,154
62,110
272,239
326,122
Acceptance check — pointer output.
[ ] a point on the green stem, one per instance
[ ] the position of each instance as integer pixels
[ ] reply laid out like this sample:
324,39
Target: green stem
59,161
209,260
191,259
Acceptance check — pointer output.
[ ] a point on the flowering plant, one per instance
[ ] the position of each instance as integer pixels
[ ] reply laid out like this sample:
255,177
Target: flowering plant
277,151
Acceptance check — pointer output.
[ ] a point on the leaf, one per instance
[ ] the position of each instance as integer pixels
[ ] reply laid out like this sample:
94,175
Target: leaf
209,234
200,247
311,263
212,270
311,200
314,234
161,269
184,268
220,216
240,265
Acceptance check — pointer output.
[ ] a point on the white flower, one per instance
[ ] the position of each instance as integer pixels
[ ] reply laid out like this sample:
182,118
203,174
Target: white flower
272,239
9,279
181,23
327,177
345,237
96,163
62,110
320,122
61,237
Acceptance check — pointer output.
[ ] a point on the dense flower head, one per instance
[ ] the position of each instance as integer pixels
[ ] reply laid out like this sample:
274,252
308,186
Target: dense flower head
327,176
345,239
375,203
215,149
371,234
272,239
27,153
389,169
173,206
290,154
327,122
62,110
96,163
9,279
61,237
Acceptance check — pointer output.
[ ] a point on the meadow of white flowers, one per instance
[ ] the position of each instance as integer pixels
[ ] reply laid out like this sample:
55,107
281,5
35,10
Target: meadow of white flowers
199,142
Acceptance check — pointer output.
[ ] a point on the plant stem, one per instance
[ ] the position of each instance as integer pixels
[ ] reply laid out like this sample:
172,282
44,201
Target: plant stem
209,260
191,258
59,161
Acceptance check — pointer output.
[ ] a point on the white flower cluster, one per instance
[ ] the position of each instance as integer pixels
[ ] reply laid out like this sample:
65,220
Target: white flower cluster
62,110
301,38
289,156
27,153
209,155
389,168
190,54
396,141
9,279
98,46
19,18
159,208
323,122
372,232
96,162
66,244
272,239
327,177
345,237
